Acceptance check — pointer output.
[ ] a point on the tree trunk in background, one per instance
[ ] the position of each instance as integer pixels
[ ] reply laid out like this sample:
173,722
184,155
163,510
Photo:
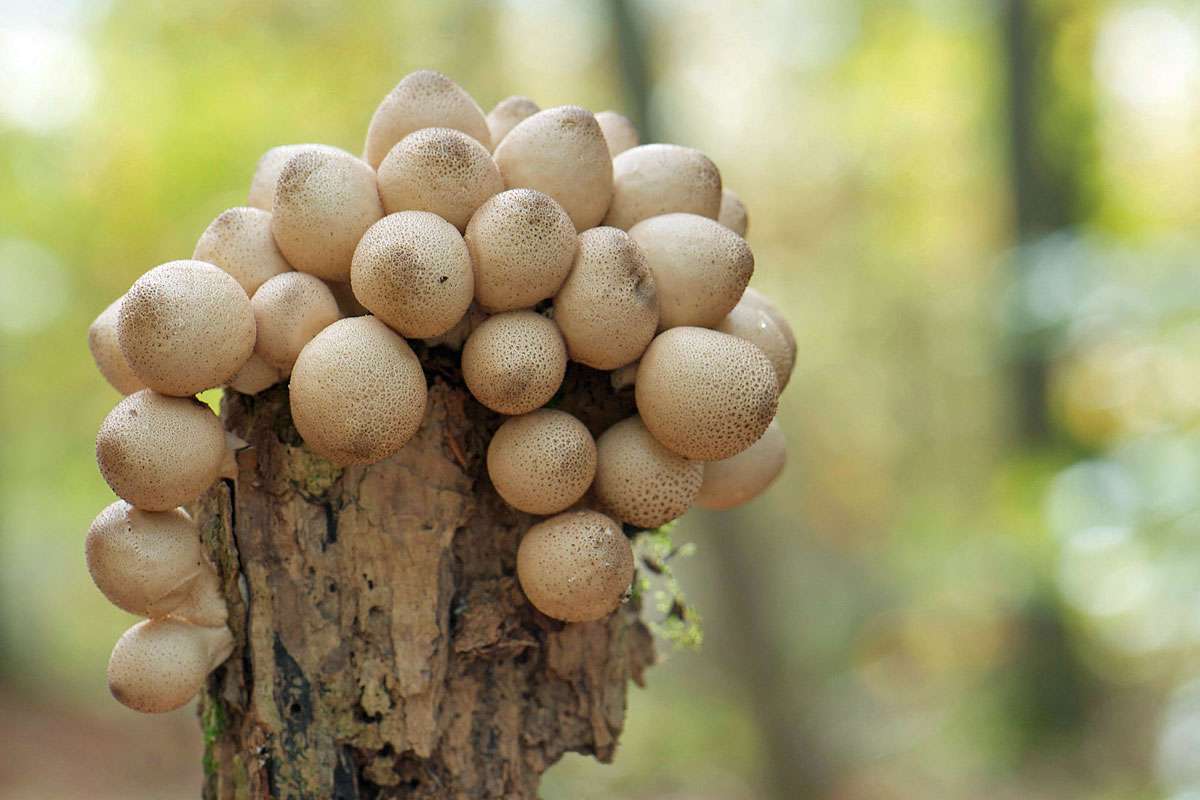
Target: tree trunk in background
387,650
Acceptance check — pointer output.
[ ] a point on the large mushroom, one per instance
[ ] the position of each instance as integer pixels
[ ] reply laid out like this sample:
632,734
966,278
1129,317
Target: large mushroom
658,179
514,362
641,482
159,665
439,170
423,99
542,462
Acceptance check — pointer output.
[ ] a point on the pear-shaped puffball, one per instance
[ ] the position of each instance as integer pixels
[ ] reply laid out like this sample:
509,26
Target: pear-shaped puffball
561,151
749,320
641,482
413,271
618,132
700,267
106,351
290,310
150,563
542,463
608,307
522,244
423,99
357,392
159,452
439,170
185,326
324,203
239,241
255,376
575,567
507,113
266,173
738,480
514,362
160,664
661,179
705,395
733,213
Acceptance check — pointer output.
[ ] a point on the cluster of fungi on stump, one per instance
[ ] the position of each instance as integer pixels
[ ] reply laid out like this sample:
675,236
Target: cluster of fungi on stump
462,372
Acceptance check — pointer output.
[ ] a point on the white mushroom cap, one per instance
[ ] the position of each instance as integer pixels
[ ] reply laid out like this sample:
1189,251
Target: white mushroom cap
705,395
514,362
658,179
160,664
561,151
266,173
255,376
522,244
413,271
575,567
423,99
641,482
290,310
150,563
324,203
608,307
239,241
159,452
507,113
700,267
733,213
357,392
749,320
543,462
619,132
185,326
106,351
439,170
738,480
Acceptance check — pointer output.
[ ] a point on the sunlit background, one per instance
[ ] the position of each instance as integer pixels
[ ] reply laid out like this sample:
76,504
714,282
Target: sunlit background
980,574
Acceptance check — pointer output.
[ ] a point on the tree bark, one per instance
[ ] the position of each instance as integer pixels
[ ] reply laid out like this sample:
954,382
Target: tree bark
384,647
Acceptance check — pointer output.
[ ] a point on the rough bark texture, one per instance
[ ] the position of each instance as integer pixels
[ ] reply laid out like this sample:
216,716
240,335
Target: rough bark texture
386,650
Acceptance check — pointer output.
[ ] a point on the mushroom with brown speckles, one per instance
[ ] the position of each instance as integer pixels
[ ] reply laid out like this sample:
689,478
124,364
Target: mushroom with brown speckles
507,113
266,172
658,179
641,482
106,351
239,241
619,132
750,320
159,665
733,213
423,99
542,462
738,480
439,170
514,362
291,309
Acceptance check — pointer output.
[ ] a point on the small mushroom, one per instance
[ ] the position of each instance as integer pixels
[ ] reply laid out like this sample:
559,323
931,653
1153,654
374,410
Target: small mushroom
357,392
750,320
159,665
700,267
507,113
733,213
756,298
439,170
423,99
705,395
514,362
575,567
106,351
641,482
186,326
619,132
658,179
561,151
738,480
542,462
266,173
290,310
522,244
255,376
239,241
413,271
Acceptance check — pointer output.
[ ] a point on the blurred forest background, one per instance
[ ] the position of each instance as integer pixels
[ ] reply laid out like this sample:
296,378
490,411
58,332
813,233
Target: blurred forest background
980,574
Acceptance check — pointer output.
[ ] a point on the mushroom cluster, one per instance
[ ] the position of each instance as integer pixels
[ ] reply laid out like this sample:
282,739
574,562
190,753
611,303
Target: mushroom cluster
525,238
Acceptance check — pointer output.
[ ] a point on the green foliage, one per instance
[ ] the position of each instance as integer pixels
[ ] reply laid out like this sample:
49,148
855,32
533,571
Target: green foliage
657,552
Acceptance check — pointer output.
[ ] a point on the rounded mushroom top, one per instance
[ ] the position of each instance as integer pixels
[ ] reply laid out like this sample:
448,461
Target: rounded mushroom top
159,665
514,362
507,114
561,151
619,132
522,244
641,482
733,213
705,395
185,326
291,309
423,99
440,170
413,271
543,462
750,320
738,480
106,351
756,298
658,179
266,172
608,307
357,392
700,267
575,567
239,241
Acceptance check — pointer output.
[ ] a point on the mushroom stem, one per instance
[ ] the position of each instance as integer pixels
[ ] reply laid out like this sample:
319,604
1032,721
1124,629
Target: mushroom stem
229,467
205,605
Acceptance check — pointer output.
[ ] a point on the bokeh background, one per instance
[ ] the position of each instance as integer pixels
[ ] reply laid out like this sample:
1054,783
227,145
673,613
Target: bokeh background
980,574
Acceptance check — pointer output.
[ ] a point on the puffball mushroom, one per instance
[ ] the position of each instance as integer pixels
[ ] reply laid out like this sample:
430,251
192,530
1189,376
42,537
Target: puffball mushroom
756,298
607,308
255,376
106,351
733,213
542,462
423,99
290,310
507,113
619,132
159,665
158,452
514,362
738,480
658,179
641,482
575,567
266,172
705,395
239,241
522,245
324,203
150,563
750,321
561,151
440,170
700,267
357,392
186,326
413,271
